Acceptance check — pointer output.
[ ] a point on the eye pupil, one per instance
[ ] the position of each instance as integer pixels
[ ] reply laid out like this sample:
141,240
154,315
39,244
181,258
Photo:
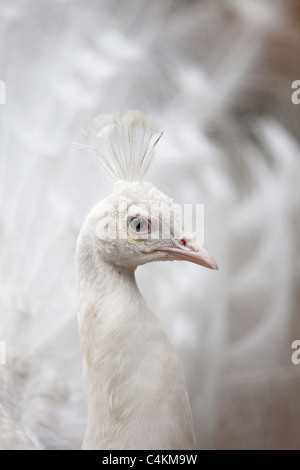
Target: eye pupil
138,224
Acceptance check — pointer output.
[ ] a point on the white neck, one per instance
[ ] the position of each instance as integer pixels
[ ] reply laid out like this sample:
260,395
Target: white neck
134,385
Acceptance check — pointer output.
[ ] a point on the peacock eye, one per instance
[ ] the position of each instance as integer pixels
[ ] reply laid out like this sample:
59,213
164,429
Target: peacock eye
139,225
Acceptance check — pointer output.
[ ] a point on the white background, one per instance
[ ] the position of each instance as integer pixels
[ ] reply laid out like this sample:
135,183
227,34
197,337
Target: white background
217,76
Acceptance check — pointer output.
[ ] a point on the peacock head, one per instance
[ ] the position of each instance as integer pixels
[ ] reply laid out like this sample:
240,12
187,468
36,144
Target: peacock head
137,223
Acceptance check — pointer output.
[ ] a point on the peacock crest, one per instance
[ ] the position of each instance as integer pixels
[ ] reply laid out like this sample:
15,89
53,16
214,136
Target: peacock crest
125,142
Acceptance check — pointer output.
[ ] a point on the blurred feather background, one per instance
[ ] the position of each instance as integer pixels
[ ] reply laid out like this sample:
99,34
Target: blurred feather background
217,75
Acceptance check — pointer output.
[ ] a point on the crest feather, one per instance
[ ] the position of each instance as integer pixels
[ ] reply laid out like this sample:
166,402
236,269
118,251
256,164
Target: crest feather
125,142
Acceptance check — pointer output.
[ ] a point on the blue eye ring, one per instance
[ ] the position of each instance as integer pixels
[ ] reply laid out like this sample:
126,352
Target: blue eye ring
139,225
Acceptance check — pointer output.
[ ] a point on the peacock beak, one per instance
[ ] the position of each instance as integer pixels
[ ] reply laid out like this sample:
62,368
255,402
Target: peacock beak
187,249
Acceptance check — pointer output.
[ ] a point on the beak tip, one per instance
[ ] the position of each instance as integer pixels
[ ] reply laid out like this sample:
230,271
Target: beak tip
213,265
211,262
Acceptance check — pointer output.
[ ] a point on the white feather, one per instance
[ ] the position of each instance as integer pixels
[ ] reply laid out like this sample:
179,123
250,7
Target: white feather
128,140
218,76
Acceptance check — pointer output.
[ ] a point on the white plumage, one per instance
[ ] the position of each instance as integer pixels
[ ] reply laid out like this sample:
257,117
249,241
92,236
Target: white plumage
129,139
218,76
134,385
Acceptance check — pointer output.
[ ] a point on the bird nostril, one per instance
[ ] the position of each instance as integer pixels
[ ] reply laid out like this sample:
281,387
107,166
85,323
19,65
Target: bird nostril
188,242
182,243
